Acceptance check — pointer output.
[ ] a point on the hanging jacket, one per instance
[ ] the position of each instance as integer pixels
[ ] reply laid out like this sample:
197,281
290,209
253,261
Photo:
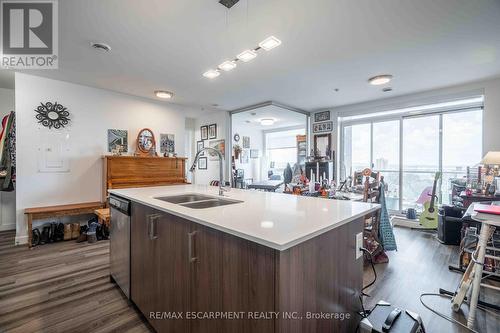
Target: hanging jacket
8,154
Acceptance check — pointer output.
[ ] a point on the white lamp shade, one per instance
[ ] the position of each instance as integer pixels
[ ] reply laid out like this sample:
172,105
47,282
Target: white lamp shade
491,158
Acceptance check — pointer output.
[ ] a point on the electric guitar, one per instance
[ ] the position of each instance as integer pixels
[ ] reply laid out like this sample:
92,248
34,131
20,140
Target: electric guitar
429,217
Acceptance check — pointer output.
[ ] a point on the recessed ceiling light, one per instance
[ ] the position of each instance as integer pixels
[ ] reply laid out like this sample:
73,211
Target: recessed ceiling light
380,79
164,94
211,74
269,43
246,55
227,65
267,121
267,224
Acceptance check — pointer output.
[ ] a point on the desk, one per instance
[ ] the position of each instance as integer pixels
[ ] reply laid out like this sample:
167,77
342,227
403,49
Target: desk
476,197
266,185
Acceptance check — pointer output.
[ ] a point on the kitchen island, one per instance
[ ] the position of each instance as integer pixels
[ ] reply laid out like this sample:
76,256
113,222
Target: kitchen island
259,262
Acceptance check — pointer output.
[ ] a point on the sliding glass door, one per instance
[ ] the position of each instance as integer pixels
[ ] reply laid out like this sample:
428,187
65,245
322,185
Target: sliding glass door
386,158
420,158
409,149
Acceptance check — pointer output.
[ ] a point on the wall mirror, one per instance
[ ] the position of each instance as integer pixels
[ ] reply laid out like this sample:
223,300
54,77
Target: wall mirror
146,142
323,145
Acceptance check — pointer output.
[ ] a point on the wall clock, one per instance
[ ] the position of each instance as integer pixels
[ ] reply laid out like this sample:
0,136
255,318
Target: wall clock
52,115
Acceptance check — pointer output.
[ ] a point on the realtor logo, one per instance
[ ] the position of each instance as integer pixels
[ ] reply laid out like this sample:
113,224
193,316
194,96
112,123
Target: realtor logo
29,34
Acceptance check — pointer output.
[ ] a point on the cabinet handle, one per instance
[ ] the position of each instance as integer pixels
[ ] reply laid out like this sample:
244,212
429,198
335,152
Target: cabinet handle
153,226
190,246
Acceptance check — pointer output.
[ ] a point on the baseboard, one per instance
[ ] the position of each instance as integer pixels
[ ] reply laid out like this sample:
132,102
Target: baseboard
407,223
21,240
7,227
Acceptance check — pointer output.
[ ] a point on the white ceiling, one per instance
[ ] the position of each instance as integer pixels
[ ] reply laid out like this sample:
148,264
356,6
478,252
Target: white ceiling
283,118
327,44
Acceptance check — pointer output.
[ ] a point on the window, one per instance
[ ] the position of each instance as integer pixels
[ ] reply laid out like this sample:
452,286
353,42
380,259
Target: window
281,149
386,158
411,147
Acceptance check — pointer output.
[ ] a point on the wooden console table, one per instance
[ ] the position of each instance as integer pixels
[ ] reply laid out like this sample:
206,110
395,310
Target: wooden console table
38,213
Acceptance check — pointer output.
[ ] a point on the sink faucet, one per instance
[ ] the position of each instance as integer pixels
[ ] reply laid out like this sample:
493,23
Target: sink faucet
222,188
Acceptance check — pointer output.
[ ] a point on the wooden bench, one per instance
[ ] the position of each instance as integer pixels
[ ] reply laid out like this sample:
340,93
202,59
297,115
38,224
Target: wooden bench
38,213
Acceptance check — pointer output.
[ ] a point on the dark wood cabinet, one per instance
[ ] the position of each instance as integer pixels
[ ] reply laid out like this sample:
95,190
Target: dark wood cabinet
144,258
179,266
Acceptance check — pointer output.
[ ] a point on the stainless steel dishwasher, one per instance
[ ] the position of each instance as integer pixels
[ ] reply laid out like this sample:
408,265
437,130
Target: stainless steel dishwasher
119,261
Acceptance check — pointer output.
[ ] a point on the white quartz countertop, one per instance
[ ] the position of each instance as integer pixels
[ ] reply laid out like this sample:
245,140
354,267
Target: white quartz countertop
276,220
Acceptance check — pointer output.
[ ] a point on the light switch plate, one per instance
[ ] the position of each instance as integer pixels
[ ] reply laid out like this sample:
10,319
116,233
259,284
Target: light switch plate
359,244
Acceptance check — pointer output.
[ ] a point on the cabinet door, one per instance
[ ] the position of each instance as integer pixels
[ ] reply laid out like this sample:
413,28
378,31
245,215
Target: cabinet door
144,250
173,272
206,277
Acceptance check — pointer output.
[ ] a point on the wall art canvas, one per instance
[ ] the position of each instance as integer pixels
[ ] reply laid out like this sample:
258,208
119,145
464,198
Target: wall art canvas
117,139
199,146
326,126
246,142
254,153
321,116
220,145
204,132
202,163
212,131
167,143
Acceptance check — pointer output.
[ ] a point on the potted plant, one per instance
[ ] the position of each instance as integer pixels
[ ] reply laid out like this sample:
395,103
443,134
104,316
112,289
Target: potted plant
237,151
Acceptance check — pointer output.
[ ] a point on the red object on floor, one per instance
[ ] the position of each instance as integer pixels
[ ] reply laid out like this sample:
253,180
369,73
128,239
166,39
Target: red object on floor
487,209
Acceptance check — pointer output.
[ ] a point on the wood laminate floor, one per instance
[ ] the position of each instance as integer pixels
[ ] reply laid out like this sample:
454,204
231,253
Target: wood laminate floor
421,265
61,287
65,287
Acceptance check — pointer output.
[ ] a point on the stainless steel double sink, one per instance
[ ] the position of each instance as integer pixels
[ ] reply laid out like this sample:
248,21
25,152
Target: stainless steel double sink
198,201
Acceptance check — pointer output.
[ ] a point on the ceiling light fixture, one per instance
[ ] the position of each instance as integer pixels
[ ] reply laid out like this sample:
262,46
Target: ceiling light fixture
380,79
211,74
227,65
246,55
267,121
164,94
269,43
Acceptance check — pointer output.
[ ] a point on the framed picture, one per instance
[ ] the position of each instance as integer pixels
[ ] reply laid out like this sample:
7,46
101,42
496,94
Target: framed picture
220,145
167,143
244,156
326,126
202,163
321,116
204,132
246,142
117,140
254,153
212,131
199,146
236,137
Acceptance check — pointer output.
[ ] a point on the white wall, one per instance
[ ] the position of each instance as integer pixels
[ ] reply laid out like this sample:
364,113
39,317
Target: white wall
7,199
92,111
253,168
221,118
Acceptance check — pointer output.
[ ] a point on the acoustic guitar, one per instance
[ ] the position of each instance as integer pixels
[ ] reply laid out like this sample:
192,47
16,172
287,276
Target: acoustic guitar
429,217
